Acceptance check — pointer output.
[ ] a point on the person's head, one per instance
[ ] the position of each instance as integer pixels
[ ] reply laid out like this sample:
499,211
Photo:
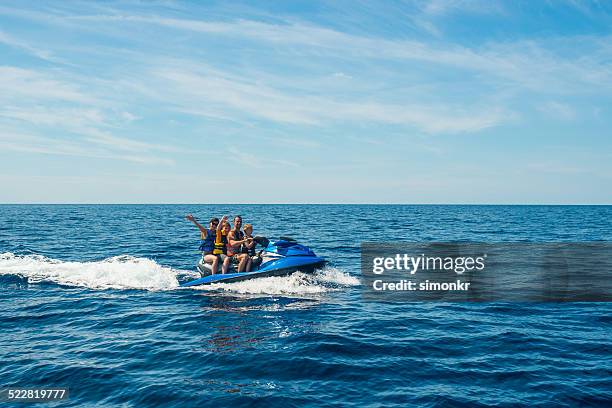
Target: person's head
248,229
237,222
214,222
226,228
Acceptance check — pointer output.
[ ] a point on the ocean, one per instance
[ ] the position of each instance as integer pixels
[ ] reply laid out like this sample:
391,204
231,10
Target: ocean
89,300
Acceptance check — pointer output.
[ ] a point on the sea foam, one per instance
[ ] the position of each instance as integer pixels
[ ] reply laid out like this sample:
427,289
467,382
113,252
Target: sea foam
119,272
298,283
128,272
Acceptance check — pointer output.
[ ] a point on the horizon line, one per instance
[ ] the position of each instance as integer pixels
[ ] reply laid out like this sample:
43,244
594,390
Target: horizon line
316,203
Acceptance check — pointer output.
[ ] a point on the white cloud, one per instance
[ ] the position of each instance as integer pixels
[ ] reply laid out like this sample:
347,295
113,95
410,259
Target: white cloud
522,66
442,7
22,45
31,143
256,161
530,64
26,84
341,75
129,117
133,74
210,92
71,117
40,105
558,110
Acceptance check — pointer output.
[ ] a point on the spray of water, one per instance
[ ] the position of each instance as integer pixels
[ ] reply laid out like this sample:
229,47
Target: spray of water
128,272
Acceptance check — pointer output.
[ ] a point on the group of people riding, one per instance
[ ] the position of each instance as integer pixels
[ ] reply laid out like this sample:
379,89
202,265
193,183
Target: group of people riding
223,244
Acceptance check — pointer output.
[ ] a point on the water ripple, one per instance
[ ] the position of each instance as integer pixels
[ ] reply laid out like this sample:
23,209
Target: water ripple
92,304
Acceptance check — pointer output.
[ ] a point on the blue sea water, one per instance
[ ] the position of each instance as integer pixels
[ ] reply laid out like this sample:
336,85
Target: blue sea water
89,300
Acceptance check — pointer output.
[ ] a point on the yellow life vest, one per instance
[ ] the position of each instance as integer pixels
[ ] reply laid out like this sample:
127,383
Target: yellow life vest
220,244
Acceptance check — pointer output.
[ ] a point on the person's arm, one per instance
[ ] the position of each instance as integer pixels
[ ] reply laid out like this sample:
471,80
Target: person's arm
234,242
218,235
203,230
231,241
250,243
221,223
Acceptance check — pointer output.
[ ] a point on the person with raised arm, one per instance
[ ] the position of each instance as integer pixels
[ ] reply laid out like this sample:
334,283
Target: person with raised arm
209,237
220,246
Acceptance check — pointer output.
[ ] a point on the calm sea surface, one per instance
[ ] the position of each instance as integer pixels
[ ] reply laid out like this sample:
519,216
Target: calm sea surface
89,300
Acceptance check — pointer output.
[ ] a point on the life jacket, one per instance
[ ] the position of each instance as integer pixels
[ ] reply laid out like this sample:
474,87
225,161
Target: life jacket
238,236
208,243
220,246
250,251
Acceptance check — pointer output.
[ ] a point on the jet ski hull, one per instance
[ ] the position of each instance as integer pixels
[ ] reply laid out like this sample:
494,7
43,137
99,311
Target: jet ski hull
277,267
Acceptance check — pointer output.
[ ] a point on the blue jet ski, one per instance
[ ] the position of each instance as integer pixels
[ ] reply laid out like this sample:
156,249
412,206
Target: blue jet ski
278,258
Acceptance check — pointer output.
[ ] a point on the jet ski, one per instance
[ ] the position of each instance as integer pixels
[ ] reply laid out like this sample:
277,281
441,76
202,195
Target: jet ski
277,258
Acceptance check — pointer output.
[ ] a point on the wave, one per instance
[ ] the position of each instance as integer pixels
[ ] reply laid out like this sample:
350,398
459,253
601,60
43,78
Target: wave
118,272
128,272
298,283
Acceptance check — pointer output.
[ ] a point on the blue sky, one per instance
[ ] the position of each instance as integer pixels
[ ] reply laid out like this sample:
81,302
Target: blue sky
306,102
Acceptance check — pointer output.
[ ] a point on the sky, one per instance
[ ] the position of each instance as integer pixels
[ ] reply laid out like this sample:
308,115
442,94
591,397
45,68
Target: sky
446,101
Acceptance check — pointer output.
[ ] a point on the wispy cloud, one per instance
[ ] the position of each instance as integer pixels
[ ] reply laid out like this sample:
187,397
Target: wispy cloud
530,64
210,90
442,7
220,95
255,161
28,84
48,104
558,110
141,83
29,143
24,46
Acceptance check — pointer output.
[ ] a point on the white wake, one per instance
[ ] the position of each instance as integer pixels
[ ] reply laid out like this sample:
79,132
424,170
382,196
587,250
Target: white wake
119,272
298,283
128,272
